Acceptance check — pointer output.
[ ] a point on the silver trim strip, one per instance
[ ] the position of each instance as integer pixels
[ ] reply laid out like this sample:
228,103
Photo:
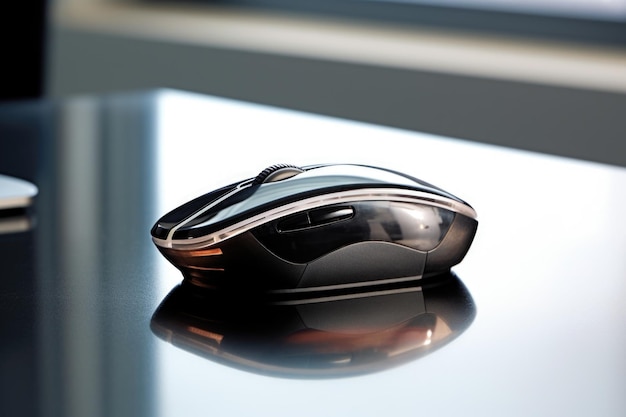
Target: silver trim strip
367,194
348,296
345,286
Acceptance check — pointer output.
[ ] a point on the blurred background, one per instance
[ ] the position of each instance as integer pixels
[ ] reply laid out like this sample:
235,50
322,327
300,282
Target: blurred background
547,76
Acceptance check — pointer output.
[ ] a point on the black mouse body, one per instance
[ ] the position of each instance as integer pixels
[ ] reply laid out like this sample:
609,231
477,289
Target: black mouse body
317,227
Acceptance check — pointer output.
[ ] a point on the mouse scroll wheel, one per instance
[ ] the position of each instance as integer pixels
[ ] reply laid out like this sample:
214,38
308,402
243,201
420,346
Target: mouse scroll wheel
276,173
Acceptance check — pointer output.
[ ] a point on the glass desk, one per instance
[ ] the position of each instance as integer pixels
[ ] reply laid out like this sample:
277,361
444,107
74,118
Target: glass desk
539,327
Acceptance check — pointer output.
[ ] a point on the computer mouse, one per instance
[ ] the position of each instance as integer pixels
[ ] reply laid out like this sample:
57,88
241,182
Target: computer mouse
317,227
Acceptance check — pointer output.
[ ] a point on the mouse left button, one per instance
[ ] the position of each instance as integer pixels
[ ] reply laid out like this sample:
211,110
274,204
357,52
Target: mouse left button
163,226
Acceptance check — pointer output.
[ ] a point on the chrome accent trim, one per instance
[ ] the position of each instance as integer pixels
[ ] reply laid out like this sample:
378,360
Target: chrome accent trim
348,285
324,299
367,194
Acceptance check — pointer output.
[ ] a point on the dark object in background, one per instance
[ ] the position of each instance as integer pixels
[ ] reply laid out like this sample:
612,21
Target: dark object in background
23,27
19,349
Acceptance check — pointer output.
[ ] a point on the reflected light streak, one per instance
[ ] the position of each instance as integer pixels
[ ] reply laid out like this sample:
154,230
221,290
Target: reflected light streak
429,336
206,252
594,9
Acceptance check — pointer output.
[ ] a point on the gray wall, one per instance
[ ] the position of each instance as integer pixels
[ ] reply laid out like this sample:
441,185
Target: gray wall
578,123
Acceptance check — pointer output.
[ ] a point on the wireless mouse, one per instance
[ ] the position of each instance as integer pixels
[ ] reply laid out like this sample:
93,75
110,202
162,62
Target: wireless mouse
327,337
317,227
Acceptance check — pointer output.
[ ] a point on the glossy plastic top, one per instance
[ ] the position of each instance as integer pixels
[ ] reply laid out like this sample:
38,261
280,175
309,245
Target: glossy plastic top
249,198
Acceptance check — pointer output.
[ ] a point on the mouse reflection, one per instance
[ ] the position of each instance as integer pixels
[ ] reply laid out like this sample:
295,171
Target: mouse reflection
327,336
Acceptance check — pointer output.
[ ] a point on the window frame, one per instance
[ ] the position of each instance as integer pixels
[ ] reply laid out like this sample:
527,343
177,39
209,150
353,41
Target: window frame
482,21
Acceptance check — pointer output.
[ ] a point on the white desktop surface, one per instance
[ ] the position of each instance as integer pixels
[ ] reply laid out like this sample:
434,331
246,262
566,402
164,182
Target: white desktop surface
547,270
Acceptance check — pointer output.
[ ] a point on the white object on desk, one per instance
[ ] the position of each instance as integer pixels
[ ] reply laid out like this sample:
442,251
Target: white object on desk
16,193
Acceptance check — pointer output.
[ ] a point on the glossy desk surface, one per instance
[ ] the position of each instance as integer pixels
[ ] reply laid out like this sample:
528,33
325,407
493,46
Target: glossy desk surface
545,334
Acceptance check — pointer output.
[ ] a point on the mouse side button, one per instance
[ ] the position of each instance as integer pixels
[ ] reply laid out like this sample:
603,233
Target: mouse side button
326,215
294,223
313,218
